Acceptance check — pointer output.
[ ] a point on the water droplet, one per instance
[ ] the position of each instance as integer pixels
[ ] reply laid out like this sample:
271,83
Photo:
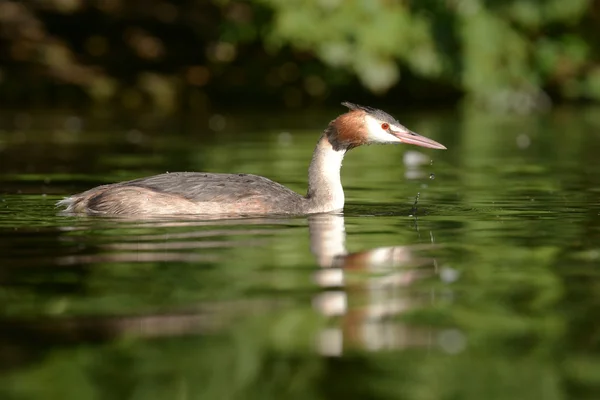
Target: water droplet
217,122
449,275
414,158
431,176
452,341
134,136
523,141
285,138
73,124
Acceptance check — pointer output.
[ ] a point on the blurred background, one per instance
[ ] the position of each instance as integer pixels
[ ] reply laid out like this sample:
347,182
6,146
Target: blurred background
470,273
176,55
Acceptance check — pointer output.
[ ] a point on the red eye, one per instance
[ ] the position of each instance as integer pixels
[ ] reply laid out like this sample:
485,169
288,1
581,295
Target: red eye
385,126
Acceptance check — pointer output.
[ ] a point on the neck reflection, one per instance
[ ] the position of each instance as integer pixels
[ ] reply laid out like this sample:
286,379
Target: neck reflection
375,282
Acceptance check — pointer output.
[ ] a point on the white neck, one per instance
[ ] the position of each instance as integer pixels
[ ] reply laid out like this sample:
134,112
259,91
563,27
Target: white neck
325,192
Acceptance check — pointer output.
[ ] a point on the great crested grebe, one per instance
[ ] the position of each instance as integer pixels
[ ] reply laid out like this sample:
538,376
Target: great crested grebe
241,194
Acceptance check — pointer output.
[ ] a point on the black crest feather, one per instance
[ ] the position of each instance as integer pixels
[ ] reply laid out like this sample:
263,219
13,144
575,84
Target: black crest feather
380,115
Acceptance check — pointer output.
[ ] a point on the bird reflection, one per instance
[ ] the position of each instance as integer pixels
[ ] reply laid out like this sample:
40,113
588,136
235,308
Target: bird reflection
361,293
377,298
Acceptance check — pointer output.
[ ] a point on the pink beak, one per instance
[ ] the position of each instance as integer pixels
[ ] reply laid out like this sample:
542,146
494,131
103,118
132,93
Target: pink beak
410,137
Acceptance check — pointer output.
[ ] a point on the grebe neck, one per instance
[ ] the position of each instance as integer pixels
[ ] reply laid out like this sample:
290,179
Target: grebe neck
325,192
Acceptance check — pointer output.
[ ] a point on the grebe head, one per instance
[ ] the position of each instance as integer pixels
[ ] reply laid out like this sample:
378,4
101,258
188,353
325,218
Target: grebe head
367,125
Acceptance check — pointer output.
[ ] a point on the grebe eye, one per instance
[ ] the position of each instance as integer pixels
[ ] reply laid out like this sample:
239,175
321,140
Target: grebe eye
385,126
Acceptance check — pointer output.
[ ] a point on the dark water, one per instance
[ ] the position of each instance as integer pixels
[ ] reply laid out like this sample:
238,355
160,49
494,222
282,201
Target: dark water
487,288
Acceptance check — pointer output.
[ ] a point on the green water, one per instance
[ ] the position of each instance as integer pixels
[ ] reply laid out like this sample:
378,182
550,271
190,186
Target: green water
487,288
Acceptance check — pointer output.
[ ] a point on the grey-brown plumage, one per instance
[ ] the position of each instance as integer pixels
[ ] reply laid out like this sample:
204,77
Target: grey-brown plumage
204,187
243,194
189,193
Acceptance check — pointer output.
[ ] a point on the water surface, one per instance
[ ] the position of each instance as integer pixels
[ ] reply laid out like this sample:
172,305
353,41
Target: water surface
469,273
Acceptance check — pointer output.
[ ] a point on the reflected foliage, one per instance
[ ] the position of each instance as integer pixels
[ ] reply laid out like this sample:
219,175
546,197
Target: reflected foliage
489,289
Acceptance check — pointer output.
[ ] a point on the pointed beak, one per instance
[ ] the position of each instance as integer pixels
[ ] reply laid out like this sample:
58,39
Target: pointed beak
409,137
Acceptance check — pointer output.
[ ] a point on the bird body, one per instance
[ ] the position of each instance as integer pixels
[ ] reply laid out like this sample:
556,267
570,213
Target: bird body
245,194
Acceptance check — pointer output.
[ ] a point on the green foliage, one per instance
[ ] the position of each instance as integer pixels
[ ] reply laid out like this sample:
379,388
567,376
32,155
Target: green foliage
509,54
496,51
